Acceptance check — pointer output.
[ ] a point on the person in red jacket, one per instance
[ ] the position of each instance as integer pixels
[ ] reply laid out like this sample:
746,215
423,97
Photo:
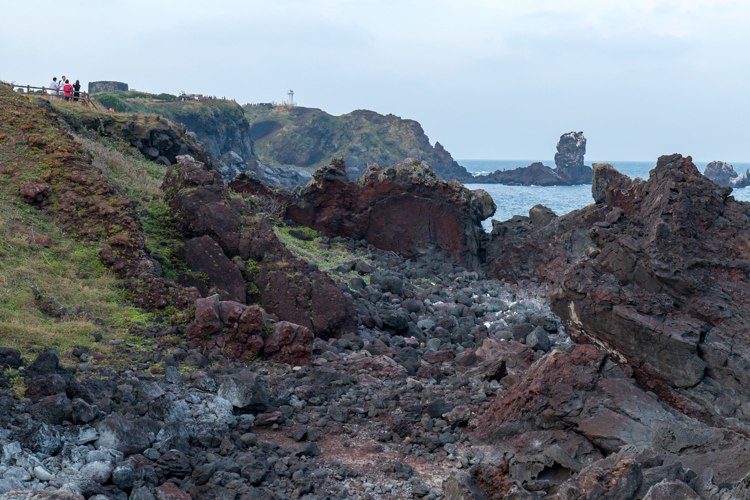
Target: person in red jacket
67,90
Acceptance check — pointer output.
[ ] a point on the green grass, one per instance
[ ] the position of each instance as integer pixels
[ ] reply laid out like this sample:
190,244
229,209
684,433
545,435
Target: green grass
312,249
140,180
34,250
68,272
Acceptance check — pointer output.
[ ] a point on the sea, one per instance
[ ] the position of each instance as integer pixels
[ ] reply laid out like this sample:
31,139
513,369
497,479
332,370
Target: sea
517,200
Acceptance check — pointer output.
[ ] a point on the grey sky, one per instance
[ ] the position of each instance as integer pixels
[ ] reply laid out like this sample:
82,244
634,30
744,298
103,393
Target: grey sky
488,79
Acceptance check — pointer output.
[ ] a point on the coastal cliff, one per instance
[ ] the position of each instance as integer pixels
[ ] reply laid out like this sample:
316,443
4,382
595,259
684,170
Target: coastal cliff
311,138
219,124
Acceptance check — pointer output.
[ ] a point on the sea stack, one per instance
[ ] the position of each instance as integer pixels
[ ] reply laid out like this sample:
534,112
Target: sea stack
569,168
571,149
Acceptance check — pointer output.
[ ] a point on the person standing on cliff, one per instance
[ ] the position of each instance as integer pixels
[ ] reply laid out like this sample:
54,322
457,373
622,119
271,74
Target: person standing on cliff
76,90
67,90
53,86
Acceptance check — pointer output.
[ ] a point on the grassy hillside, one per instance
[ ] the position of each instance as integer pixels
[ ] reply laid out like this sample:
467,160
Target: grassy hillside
39,250
310,138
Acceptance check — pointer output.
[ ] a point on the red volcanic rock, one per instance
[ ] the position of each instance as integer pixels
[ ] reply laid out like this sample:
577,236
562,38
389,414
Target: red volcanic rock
666,286
238,332
35,191
217,273
406,209
201,203
170,491
289,343
295,290
572,409
287,286
207,321
235,329
540,246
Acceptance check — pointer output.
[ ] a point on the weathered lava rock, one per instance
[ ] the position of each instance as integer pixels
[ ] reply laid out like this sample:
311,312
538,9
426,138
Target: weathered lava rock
406,209
216,273
35,191
665,287
540,246
289,343
536,174
571,149
287,286
569,168
723,174
578,412
244,332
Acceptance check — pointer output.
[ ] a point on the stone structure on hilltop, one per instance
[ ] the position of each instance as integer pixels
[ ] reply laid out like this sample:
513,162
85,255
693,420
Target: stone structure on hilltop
107,86
569,170
723,174
406,209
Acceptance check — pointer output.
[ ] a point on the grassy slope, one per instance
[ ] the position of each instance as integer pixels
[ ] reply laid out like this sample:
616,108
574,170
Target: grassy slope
34,250
310,137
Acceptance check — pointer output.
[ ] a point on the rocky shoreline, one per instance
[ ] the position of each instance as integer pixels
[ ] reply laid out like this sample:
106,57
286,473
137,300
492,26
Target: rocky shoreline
367,339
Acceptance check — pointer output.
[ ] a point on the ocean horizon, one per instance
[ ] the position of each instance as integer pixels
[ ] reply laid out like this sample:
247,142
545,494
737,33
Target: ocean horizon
517,200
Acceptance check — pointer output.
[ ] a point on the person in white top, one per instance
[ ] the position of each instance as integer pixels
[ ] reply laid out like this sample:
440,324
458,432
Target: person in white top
53,87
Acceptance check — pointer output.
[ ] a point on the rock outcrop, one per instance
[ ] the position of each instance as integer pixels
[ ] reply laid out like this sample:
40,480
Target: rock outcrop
723,174
571,149
219,124
569,168
655,273
406,209
664,287
245,332
157,139
228,239
536,174
575,422
310,138
540,246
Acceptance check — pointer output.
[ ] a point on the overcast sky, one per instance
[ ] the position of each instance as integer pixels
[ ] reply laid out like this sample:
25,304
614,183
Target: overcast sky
488,79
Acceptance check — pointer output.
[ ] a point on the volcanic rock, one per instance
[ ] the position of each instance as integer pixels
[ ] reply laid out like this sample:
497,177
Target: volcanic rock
665,288
246,391
287,286
35,191
536,174
406,209
217,274
201,202
569,168
723,174
289,343
234,328
571,149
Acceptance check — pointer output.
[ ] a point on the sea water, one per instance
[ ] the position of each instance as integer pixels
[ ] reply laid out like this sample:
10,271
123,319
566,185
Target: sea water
517,200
